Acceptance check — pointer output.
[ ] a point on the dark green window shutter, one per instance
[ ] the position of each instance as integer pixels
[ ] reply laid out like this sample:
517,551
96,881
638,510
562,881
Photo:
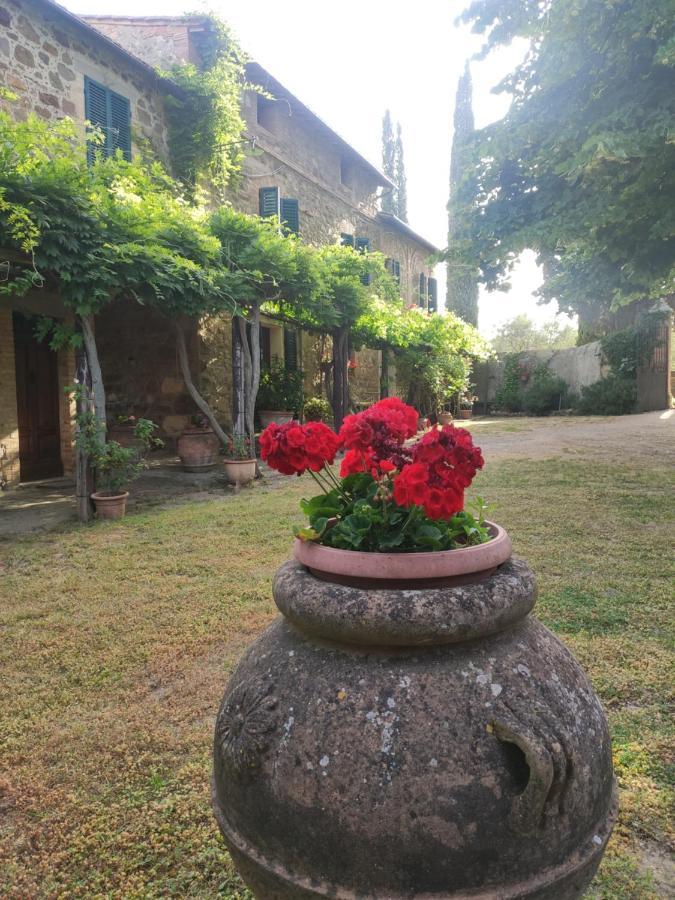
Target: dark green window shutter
269,202
290,349
432,286
96,112
111,113
347,240
423,289
396,270
362,245
290,216
120,124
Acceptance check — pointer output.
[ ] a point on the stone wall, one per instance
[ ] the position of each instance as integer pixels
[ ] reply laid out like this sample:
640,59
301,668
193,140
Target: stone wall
577,366
44,58
9,424
140,367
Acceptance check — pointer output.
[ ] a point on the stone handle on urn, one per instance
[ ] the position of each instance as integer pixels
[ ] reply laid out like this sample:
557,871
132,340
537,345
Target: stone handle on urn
537,775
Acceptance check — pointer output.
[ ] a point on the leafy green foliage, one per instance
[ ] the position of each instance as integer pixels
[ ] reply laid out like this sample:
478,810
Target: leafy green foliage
366,521
520,334
280,388
205,125
614,395
316,409
101,231
582,168
509,394
544,393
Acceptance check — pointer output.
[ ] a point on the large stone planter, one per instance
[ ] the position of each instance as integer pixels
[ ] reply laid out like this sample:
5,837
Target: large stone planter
273,416
392,743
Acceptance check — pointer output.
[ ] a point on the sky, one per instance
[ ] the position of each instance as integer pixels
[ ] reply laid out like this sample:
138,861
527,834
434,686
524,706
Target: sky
349,63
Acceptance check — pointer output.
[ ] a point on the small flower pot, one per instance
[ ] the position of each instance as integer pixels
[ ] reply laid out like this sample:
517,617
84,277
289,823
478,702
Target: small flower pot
110,506
465,565
240,471
445,418
278,417
198,449
466,413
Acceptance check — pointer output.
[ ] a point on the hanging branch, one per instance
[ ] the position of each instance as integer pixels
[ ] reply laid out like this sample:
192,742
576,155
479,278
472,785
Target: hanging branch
183,359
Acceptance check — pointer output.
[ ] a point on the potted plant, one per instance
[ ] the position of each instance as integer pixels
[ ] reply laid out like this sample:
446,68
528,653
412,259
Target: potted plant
198,445
240,460
466,406
407,677
115,466
445,416
121,429
279,395
316,409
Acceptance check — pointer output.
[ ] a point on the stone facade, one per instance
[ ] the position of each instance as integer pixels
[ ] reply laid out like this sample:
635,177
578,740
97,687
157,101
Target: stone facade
45,54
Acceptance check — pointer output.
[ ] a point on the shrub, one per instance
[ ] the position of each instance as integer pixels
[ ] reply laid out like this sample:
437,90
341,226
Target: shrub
316,409
544,393
280,388
509,395
611,396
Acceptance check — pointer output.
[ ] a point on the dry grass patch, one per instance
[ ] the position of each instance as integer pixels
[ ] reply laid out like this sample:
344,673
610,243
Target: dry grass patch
117,640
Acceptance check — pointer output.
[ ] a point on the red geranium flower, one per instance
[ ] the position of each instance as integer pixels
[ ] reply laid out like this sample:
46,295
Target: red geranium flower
293,448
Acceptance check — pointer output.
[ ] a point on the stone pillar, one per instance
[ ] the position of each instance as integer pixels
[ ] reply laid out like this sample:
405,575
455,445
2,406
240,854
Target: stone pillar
9,424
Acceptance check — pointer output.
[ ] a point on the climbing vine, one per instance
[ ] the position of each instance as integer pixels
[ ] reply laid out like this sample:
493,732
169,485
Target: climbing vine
205,125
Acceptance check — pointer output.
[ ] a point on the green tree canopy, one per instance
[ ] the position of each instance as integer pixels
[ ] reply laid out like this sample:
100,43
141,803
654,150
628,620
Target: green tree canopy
521,333
582,168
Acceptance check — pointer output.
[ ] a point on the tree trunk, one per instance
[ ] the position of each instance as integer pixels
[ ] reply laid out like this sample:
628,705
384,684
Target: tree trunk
340,397
248,374
84,474
94,365
255,371
238,395
384,375
201,403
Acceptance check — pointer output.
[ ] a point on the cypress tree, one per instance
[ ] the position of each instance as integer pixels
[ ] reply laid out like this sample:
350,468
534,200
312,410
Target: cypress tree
401,206
462,291
388,163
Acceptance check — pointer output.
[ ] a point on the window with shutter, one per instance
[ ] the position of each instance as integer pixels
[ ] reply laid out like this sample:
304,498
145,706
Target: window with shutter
290,349
362,245
290,216
110,112
347,240
432,288
269,202
423,290
265,347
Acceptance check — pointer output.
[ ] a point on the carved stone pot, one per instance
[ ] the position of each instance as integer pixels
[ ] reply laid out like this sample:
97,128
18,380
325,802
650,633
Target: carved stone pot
392,743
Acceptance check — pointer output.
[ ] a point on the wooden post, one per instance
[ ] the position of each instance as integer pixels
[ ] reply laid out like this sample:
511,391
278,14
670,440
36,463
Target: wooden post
238,393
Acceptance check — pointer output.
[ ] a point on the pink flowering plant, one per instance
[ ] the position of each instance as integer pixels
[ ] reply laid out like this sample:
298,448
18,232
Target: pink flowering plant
393,494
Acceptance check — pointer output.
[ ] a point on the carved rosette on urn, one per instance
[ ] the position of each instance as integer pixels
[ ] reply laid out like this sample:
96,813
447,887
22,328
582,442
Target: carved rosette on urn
429,743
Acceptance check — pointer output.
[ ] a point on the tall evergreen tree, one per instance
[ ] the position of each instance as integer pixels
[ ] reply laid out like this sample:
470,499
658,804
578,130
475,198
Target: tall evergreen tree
401,209
462,290
388,162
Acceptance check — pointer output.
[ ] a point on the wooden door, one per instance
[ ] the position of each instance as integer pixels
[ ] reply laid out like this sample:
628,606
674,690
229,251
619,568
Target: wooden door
37,397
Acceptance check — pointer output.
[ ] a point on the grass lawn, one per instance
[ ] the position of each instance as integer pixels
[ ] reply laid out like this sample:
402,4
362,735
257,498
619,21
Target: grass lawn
117,640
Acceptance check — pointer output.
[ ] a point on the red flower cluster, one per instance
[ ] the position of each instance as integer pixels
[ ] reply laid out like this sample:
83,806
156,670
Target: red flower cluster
364,461
379,432
444,464
293,448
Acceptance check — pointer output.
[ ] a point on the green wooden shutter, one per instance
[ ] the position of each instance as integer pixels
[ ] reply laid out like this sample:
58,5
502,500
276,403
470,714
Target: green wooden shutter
120,124
269,202
290,349
432,286
290,216
423,289
347,240
96,112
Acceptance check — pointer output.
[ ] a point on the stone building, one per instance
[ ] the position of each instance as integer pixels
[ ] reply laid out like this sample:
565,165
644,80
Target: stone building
104,69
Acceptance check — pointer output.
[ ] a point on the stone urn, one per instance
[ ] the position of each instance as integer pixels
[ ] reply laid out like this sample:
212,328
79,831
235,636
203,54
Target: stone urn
274,416
198,449
395,742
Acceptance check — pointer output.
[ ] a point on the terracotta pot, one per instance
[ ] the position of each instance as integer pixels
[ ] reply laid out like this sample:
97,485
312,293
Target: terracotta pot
399,744
240,471
110,506
279,417
466,413
405,570
445,418
198,449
